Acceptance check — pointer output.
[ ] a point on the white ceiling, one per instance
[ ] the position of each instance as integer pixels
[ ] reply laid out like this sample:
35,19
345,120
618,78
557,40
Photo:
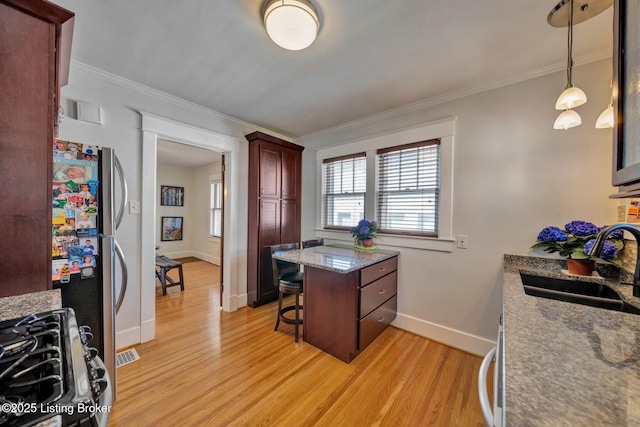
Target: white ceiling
371,56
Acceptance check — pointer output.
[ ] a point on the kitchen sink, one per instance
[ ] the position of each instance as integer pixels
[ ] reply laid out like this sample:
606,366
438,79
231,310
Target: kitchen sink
586,293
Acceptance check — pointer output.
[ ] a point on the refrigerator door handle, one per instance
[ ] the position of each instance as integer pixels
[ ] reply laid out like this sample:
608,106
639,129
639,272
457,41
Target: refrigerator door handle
125,192
125,273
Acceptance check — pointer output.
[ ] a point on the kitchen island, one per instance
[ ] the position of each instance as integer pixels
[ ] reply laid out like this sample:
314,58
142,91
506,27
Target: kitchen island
565,363
349,296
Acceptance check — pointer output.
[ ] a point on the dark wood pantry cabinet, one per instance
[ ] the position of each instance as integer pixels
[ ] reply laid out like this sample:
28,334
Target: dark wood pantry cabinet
35,49
275,177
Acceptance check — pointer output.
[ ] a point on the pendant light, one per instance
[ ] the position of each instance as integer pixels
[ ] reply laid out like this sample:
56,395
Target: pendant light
571,96
605,119
563,15
291,24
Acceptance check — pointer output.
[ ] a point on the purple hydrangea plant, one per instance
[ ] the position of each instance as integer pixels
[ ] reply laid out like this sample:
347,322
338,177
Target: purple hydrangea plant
364,230
577,239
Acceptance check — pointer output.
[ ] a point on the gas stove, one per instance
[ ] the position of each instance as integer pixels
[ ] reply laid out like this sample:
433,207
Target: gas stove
49,376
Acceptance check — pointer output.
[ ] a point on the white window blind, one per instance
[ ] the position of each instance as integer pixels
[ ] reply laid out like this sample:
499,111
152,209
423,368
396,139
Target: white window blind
215,214
343,190
409,188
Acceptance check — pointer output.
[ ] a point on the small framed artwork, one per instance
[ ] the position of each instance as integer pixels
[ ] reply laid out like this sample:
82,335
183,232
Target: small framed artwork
171,196
171,228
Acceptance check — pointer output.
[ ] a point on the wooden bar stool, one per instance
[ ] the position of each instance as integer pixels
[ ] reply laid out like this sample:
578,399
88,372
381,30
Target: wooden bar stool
165,265
289,280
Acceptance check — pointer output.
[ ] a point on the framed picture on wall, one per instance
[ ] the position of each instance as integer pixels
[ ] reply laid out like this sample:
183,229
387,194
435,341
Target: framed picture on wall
171,228
171,196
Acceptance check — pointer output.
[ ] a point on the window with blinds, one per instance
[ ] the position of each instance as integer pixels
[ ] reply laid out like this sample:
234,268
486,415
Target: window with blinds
215,213
409,188
343,190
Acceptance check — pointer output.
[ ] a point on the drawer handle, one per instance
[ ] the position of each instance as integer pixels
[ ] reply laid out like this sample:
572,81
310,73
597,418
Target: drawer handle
380,270
381,291
381,319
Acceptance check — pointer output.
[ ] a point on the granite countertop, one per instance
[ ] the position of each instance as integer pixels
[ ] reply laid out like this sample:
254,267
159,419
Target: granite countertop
23,305
568,364
340,259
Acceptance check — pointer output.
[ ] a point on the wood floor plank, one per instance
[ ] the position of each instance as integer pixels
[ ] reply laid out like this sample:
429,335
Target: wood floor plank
211,368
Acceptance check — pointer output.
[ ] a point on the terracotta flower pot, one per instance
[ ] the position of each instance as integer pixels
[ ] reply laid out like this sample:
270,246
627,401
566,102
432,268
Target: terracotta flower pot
581,267
367,243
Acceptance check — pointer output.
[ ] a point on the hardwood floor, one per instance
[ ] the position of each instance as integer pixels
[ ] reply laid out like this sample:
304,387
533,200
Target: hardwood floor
211,368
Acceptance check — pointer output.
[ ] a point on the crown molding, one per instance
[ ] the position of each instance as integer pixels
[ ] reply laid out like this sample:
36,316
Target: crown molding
451,96
99,74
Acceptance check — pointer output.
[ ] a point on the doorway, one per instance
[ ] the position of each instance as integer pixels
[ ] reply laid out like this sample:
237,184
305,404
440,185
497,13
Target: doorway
154,128
189,193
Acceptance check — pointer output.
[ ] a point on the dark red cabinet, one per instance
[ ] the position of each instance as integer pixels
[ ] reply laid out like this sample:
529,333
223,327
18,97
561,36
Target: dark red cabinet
275,176
35,45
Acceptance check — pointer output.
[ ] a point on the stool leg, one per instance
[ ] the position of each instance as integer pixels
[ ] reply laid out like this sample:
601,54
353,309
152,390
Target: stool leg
297,314
163,280
279,309
181,279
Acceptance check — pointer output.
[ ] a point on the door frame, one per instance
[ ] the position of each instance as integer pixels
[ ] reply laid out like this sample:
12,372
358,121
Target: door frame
154,127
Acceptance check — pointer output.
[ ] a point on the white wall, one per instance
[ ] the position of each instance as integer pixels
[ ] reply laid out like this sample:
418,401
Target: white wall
121,102
205,247
177,177
513,175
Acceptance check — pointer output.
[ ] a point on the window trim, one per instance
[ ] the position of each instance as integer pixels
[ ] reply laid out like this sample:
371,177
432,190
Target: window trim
361,155
440,129
211,183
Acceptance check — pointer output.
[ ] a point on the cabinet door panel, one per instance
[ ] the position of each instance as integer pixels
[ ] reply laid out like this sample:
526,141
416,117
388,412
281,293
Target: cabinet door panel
372,325
269,235
290,174
289,222
26,134
377,292
269,172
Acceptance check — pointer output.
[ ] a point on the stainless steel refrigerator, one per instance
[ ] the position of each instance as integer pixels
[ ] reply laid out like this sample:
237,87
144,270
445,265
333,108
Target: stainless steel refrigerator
85,251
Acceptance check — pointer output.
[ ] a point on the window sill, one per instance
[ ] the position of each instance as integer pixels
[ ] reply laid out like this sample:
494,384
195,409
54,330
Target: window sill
414,242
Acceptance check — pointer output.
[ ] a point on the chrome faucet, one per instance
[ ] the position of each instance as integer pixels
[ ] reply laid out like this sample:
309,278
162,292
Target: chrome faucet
596,250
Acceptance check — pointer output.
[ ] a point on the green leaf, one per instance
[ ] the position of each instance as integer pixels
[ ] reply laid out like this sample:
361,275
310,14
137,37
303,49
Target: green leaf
579,254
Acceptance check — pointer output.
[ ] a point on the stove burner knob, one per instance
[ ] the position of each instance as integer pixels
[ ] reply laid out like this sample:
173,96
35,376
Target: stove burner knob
96,373
90,353
98,387
85,334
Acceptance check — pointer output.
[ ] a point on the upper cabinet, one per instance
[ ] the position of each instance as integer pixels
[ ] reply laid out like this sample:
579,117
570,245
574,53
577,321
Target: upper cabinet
626,132
275,176
35,44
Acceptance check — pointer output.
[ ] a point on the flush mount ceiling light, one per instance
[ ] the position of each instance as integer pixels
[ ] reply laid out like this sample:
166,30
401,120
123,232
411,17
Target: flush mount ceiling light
568,13
291,24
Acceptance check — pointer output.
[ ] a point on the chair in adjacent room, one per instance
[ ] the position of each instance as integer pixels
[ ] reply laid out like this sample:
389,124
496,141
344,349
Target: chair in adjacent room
164,265
312,243
289,279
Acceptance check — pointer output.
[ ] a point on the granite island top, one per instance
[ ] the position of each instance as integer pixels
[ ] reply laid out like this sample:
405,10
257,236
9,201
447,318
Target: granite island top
340,259
568,364
23,305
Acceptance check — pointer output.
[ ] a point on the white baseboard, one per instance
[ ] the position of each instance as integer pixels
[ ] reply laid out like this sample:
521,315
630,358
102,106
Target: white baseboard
148,330
443,334
208,258
128,337
180,254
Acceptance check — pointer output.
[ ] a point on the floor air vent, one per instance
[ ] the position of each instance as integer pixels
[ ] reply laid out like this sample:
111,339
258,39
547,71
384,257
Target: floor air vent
126,357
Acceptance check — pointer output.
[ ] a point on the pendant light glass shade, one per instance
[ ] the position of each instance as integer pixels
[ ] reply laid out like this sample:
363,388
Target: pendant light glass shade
291,24
605,120
567,119
570,98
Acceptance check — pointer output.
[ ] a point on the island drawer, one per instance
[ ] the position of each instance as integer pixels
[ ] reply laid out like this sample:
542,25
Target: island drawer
377,292
372,325
376,271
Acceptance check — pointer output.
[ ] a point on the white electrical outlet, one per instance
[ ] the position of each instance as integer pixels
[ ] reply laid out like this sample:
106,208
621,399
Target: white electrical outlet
134,208
463,241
